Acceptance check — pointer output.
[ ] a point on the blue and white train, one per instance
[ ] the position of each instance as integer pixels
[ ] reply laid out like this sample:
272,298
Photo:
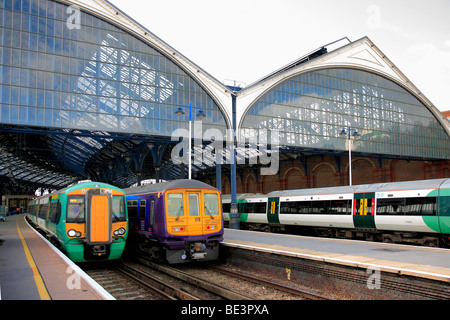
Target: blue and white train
415,212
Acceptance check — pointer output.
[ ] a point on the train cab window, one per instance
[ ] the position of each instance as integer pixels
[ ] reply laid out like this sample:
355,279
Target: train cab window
75,209
118,209
211,204
175,204
193,204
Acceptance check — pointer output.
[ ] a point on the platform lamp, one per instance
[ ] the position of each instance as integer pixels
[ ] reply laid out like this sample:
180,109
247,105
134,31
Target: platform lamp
200,114
344,132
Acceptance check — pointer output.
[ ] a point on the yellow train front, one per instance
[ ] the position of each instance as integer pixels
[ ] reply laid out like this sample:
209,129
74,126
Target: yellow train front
87,221
178,221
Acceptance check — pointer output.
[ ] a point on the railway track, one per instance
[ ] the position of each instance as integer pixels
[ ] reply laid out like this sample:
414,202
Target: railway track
303,293
146,280
233,285
119,285
198,288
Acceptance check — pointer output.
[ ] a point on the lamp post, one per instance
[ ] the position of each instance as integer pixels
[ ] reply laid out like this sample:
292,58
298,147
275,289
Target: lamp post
200,114
234,214
355,134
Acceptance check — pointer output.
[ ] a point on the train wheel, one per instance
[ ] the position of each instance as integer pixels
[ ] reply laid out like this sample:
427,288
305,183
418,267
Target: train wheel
155,253
432,243
386,238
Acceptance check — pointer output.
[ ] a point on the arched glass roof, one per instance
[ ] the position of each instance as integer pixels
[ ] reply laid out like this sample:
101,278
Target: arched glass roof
309,110
91,77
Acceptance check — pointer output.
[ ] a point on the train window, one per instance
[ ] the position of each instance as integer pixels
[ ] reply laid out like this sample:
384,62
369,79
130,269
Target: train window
319,207
211,204
193,204
316,207
58,212
389,206
118,209
132,208
420,206
407,206
226,207
175,204
43,210
295,207
75,209
152,212
55,212
142,207
340,207
253,207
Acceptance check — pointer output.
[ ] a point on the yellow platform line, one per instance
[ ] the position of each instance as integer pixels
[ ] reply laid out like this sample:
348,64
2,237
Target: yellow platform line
42,289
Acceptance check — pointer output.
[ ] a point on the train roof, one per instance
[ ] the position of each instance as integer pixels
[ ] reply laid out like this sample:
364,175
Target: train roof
377,187
244,196
81,185
163,186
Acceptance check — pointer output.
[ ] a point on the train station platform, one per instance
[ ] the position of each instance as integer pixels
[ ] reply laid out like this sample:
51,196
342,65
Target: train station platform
423,262
32,269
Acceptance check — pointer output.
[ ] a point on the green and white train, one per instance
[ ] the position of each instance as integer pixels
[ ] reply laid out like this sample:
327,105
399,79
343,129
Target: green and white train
88,221
400,212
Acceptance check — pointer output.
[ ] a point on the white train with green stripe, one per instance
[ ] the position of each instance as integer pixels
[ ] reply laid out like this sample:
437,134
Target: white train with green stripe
415,212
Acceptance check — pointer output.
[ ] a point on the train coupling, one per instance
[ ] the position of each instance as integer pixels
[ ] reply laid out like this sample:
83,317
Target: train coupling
197,251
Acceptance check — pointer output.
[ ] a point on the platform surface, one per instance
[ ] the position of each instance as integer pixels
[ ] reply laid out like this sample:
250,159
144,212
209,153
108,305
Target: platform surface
432,263
31,269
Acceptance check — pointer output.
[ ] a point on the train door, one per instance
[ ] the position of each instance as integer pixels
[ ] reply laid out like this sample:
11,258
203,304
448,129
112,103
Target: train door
364,210
442,208
195,221
98,222
243,216
272,210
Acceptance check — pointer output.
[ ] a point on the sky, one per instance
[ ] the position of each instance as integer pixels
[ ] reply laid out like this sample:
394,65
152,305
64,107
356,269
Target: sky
244,40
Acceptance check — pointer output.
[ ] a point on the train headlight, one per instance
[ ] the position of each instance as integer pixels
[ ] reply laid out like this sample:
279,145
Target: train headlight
73,233
178,229
119,232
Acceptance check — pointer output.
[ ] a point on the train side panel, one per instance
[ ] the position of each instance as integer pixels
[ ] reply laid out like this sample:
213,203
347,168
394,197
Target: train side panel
407,211
413,212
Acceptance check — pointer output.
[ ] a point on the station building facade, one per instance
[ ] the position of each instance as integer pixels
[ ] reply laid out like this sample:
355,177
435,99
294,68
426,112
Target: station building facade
97,96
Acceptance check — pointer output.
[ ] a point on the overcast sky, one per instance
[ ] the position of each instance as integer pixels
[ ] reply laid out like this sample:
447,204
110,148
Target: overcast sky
245,40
